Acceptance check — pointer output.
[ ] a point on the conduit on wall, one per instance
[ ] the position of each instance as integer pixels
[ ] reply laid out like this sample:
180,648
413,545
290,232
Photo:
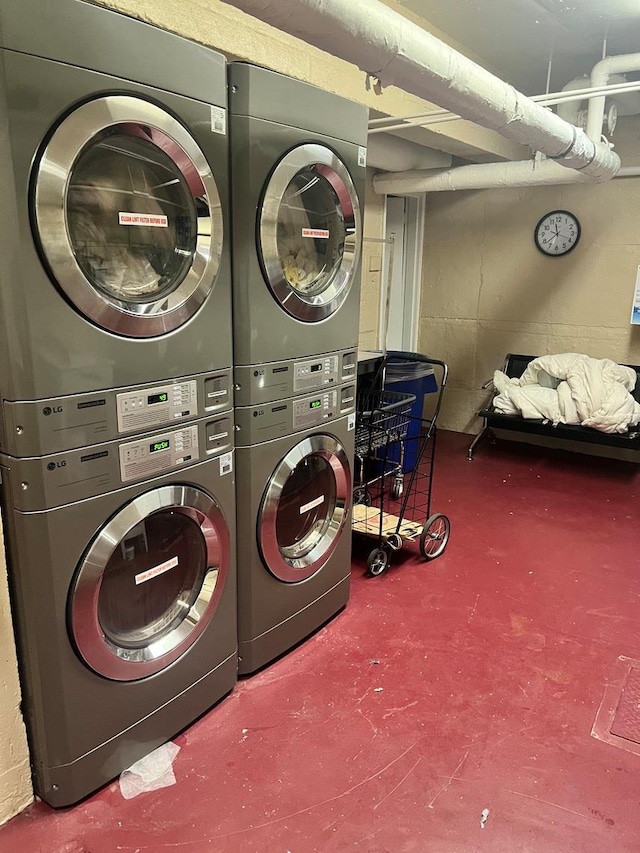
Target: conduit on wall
384,44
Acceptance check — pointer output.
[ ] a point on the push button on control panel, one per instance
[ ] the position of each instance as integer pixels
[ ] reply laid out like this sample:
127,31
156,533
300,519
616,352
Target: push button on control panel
158,454
315,373
151,407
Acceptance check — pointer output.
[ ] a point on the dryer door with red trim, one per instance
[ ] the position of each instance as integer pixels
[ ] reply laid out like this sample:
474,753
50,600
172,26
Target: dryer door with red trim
127,216
310,233
150,582
304,508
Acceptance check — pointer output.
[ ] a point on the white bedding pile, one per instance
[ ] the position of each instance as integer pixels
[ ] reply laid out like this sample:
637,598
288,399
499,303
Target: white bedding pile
571,389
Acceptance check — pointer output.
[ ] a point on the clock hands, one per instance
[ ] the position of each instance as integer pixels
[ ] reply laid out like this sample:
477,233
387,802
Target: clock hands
550,236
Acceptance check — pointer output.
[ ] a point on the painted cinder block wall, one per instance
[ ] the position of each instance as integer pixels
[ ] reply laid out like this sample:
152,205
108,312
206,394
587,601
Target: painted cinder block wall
487,290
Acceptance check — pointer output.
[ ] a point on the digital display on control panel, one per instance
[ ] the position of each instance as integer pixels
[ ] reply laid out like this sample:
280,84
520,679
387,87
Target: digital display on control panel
157,398
159,445
315,404
315,367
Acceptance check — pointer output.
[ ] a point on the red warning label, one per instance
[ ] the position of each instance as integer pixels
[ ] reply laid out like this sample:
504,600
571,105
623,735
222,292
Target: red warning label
154,221
315,232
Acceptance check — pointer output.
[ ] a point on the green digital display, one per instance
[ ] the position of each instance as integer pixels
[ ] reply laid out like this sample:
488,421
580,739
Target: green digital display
315,404
157,398
159,445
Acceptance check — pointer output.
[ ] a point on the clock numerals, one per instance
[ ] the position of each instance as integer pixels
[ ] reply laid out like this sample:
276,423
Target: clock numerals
557,233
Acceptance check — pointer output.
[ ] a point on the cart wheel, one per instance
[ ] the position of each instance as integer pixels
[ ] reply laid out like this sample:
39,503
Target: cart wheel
394,541
434,536
397,489
378,561
362,495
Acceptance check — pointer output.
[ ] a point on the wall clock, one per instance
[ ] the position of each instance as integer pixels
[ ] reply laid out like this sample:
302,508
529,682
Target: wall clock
557,233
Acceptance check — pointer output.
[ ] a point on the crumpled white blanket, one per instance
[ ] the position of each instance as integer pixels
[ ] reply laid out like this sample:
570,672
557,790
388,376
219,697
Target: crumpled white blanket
571,388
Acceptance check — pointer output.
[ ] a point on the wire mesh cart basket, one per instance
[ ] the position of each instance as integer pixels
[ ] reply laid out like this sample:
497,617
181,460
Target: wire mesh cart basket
395,456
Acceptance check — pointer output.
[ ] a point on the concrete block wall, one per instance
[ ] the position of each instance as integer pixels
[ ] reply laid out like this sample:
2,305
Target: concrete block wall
487,290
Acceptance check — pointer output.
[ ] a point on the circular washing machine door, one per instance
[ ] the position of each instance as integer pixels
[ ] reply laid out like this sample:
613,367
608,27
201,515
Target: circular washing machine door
149,583
304,508
310,232
128,216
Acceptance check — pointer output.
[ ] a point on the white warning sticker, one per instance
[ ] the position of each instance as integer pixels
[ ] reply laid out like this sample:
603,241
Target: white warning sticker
218,120
351,422
226,464
362,156
156,570
314,503
315,232
154,221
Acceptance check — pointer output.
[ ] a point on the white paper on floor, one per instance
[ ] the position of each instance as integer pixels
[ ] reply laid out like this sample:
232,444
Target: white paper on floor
150,773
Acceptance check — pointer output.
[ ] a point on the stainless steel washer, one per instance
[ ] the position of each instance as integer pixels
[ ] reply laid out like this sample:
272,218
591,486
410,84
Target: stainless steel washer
121,562
114,247
298,162
294,471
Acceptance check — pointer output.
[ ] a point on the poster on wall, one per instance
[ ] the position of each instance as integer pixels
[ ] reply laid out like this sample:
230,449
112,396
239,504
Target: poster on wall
635,310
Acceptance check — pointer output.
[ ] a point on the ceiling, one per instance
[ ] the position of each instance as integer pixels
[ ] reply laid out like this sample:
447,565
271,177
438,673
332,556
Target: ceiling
516,38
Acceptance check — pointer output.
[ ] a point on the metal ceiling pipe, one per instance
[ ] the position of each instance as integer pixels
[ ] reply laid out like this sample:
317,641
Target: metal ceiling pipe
400,53
600,74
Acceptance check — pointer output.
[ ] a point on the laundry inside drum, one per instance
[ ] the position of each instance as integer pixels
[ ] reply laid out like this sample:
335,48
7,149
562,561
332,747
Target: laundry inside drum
131,217
311,233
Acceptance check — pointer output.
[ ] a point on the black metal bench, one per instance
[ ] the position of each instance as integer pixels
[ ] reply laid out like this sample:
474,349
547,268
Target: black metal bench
515,366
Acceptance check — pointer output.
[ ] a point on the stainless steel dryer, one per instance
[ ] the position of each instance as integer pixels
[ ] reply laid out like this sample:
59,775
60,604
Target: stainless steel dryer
298,162
114,265
294,478
122,574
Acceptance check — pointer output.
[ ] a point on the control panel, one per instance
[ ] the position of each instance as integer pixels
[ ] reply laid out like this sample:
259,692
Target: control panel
40,427
285,417
281,379
44,482
157,454
150,407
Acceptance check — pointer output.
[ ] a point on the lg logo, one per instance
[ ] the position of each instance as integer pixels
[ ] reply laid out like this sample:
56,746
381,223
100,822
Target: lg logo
49,410
52,466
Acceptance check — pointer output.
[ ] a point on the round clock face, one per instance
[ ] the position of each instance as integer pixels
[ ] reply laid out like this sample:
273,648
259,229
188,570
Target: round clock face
557,233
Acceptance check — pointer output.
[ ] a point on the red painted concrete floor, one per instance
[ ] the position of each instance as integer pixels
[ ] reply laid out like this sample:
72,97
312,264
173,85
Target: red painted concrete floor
444,689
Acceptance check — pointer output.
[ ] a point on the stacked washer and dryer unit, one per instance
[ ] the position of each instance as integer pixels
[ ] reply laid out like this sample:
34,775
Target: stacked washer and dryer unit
116,370
298,162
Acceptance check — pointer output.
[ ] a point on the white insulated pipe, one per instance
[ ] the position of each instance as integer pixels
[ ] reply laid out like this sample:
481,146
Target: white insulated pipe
624,93
485,176
479,176
398,52
600,74
569,110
